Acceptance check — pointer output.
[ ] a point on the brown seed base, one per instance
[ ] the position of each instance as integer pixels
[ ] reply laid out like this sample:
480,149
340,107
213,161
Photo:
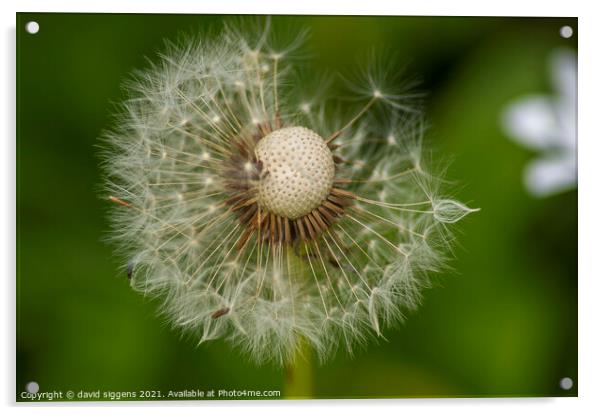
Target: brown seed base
242,173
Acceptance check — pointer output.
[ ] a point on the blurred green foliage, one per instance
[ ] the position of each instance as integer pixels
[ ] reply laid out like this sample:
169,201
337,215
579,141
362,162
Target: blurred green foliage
503,323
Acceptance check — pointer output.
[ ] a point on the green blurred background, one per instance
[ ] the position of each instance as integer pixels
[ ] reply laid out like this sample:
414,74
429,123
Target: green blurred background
503,323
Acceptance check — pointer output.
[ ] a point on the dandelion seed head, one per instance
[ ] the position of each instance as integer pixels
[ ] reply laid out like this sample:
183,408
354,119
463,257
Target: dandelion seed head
261,222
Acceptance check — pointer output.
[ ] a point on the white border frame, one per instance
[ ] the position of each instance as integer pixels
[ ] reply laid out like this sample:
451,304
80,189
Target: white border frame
590,152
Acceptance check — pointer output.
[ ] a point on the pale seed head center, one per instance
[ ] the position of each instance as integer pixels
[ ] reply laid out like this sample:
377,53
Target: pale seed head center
297,171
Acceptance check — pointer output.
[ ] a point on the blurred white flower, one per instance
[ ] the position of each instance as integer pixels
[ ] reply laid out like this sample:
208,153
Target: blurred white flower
547,124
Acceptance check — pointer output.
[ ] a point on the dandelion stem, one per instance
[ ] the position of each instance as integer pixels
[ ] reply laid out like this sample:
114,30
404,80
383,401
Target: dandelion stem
298,382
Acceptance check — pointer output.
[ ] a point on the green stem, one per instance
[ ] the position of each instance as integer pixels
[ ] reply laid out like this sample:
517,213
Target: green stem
298,375
298,382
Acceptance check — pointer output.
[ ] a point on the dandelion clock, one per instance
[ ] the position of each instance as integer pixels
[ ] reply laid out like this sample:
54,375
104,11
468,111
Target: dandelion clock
264,215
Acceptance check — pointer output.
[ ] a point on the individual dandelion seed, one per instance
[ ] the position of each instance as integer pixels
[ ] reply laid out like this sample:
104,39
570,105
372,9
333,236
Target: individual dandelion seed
260,214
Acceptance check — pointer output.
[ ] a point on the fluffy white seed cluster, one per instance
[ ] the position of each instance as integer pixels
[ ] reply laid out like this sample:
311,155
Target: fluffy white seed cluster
165,165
